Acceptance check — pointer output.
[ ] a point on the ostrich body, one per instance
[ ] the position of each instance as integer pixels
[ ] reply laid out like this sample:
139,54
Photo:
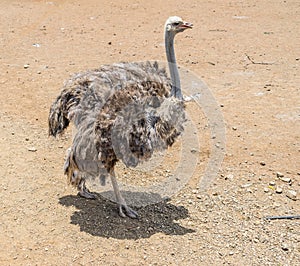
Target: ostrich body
122,111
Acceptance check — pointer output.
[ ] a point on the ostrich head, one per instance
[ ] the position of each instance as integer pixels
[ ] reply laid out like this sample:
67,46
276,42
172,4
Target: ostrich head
175,25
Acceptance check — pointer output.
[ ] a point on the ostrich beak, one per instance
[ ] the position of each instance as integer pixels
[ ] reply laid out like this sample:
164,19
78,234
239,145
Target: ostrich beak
186,25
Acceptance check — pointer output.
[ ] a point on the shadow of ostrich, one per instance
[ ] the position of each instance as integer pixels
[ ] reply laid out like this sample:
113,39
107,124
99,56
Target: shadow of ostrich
99,217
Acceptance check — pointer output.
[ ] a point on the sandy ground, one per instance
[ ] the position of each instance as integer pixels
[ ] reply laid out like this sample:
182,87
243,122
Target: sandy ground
247,52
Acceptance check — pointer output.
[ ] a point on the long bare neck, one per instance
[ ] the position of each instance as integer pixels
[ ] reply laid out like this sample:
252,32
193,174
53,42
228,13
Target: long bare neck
170,52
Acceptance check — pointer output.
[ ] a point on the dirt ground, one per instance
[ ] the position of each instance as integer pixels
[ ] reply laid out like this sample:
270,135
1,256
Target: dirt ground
248,54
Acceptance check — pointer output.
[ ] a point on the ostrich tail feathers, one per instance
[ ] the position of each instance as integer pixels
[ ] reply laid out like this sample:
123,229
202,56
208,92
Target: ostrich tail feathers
57,121
66,104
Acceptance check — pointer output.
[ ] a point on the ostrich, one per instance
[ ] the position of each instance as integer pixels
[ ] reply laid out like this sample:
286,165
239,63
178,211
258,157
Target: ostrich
123,111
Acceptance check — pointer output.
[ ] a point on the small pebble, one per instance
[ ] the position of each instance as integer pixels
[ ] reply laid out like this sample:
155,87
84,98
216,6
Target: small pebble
26,66
33,149
266,190
285,179
279,190
279,174
272,183
229,176
262,163
194,150
291,194
285,247
249,190
246,185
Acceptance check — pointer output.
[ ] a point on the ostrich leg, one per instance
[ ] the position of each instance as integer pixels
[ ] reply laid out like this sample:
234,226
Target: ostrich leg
120,200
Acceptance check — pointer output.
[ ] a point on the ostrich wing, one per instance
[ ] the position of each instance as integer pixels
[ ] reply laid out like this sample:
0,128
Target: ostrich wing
94,87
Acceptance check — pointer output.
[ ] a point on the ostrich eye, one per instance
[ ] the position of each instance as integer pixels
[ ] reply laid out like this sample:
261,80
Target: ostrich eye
176,24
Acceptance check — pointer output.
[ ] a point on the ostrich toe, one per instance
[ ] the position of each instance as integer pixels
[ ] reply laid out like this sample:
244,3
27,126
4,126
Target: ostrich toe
86,194
124,211
83,190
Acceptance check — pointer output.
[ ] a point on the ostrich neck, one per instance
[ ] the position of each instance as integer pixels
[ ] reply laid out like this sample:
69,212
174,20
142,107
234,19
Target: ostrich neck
170,52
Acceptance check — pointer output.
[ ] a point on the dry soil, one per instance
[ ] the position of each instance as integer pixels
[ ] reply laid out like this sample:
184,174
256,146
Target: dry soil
248,54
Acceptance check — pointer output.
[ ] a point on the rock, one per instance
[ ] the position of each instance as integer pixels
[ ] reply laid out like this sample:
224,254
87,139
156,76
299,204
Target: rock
33,149
26,66
194,151
266,190
262,163
291,194
285,179
284,247
278,190
272,183
279,174
246,185
229,176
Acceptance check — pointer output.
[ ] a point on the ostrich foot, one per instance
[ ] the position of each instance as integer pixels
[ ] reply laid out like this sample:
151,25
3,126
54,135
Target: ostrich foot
124,211
84,192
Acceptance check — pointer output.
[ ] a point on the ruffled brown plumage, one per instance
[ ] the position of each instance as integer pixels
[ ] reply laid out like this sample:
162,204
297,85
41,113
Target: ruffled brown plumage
121,112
